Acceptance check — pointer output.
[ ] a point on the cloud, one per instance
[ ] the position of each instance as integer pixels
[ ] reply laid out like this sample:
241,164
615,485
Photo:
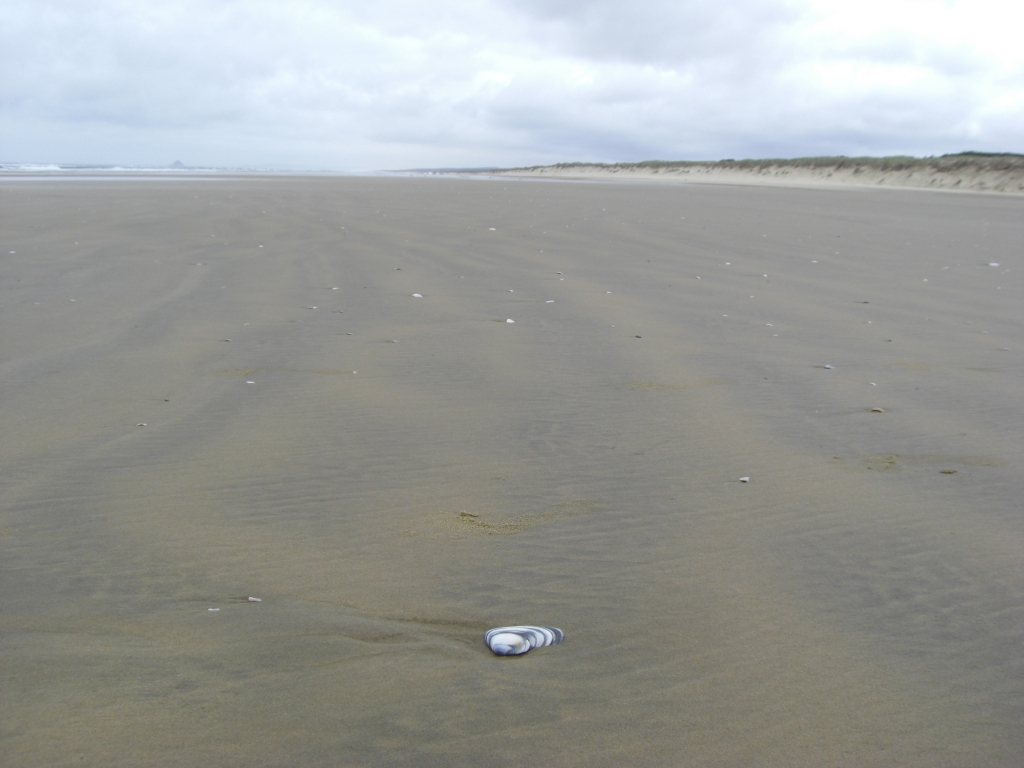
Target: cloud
318,84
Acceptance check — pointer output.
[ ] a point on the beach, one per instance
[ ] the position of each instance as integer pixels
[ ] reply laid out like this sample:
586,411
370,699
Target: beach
222,388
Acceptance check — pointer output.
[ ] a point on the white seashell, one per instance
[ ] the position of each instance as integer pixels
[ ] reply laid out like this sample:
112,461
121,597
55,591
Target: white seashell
417,295
213,610
829,367
550,301
513,641
744,479
510,320
255,600
140,425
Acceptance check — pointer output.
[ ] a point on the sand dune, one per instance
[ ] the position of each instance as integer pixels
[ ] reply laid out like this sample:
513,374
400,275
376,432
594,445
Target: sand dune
973,172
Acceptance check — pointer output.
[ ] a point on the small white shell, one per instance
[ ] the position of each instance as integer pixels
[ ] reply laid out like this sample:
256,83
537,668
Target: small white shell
744,479
417,295
514,641
510,320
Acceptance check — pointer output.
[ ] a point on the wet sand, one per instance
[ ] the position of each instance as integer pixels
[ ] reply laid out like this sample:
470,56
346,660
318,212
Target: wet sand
852,604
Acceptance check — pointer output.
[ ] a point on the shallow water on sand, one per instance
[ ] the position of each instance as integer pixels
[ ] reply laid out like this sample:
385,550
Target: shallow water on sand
403,473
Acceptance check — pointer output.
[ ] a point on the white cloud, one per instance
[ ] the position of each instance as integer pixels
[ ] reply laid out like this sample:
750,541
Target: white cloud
319,84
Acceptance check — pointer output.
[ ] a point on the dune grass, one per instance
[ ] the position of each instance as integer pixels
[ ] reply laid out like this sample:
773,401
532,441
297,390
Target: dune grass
957,163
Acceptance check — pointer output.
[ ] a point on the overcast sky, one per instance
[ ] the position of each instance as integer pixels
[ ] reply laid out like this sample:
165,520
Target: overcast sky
322,84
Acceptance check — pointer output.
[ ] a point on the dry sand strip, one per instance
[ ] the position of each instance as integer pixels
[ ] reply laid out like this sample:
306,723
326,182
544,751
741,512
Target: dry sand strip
967,171
227,388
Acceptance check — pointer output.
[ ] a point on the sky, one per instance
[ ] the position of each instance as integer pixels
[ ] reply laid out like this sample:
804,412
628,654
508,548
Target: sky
395,84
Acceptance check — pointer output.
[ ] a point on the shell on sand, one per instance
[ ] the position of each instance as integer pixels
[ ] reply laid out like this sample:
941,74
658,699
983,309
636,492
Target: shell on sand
513,641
